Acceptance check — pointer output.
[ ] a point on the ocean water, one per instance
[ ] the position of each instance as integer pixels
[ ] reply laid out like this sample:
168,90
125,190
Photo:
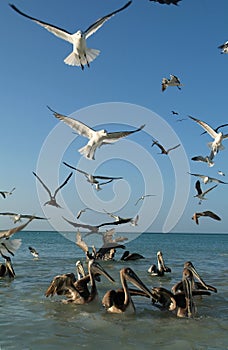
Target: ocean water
29,320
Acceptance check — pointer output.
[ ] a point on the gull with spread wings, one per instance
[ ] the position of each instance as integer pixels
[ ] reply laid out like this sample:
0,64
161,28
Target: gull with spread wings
206,179
224,47
17,217
200,194
173,81
208,213
5,194
81,55
96,138
52,200
163,150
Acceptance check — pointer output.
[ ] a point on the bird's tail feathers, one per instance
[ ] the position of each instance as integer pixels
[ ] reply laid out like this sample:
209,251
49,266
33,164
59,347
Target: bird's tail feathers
74,60
217,148
91,54
87,151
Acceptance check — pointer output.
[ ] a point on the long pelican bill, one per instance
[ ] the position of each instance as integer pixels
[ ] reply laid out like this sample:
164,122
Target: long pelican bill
98,269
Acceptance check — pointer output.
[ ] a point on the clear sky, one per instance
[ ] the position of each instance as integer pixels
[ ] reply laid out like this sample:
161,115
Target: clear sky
120,91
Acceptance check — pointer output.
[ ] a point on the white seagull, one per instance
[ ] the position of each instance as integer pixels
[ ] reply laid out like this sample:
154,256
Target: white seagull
200,194
81,55
7,193
206,179
96,138
224,47
207,159
17,217
81,211
216,145
173,81
143,197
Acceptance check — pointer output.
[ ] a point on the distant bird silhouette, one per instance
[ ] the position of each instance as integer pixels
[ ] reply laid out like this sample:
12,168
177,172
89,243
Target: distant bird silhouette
143,197
200,194
5,194
167,2
208,213
163,150
80,212
175,113
34,252
173,81
52,200
221,173
207,159
224,47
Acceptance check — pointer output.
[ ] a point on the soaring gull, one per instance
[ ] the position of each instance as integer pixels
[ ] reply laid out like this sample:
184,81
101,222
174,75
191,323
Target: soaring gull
200,194
173,81
17,217
208,213
96,138
207,159
224,47
81,55
143,197
206,179
163,150
7,193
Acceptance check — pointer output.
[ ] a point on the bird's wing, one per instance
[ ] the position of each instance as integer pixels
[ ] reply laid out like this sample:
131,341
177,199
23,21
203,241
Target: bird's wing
110,214
25,216
206,127
114,136
79,170
199,159
80,243
99,23
209,189
170,149
217,180
78,126
75,224
42,183
119,222
9,214
61,33
63,184
198,175
174,79
107,178
6,234
159,145
3,194
211,214
198,187
221,126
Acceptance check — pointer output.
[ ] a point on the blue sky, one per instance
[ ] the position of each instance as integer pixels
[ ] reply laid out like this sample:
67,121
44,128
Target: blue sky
120,90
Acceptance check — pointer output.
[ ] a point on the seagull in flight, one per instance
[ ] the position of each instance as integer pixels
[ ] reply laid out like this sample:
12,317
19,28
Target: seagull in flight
34,252
221,173
175,113
52,200
167,2
216,129
216,145
7,193
209,213
200,194
163,150
96,138
173,81
207,159
143,197
80,212
81,55
134,221
17,217
206,179
224,47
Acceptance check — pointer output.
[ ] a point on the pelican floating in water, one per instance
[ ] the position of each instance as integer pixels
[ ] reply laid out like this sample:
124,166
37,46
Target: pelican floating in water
52,200
224,47
96,138
163,150
81,55
17,217
208,213
131,256
173,81
206,179
5,194
200,194
119,301
216,145
161,268
77,291
34,252
6,270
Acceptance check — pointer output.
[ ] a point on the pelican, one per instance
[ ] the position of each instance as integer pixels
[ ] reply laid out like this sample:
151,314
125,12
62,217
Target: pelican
5,194
224,47
119,301
52,200
17,217
81,55
96,138
34,252
216,145
206,179
167,2
143,197
77,291
209,213
200,194
161,268
6,270
163,150
131,256
173,81
207,159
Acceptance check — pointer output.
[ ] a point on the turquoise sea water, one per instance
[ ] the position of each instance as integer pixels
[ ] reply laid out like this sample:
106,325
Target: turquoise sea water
29,320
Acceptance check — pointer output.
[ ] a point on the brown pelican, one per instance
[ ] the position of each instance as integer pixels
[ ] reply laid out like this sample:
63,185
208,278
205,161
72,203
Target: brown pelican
52,200
206,179
224,47
17,217
143,197
81,55
161,268
77,291
119,301
6,270
34,252
167,2
216,145
200,194
133,256
163,150
173,81
96,138
209,213
7,193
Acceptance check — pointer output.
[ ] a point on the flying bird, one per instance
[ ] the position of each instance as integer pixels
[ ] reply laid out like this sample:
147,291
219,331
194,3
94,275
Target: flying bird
17,217
224,47
81,55
96,138
143,197
208,213
221,173
216,129
167,2
80,212
175,113
206,179
34,252
12,231
52,200
207,159
173,81
163,150
216,145
200,194
5,194
6,270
